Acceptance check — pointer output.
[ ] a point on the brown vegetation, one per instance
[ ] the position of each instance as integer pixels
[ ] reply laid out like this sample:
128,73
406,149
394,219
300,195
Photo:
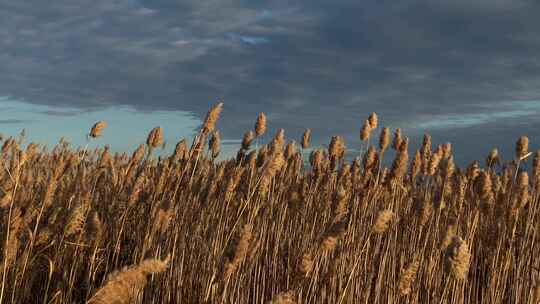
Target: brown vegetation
90,226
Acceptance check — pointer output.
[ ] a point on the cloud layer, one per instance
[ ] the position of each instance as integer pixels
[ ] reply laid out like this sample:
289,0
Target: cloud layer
319,64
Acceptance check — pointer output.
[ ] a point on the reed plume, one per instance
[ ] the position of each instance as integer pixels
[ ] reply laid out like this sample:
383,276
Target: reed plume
155,138
97,128
384,139
383,220
522,147
365,131
127,285
396,143
407,278
306,138
373,120
457,258
212,117
260,124
215,144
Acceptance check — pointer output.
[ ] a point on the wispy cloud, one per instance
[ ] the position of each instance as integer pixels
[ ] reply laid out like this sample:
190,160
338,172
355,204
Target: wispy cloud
486,114
12,121
253,40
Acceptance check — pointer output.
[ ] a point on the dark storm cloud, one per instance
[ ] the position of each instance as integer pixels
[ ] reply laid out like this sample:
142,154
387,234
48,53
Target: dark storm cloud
319,64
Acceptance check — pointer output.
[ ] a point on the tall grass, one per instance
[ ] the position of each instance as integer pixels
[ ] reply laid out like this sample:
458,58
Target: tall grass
91,226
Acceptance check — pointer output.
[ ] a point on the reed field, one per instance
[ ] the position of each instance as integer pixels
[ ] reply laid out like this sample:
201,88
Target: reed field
279,223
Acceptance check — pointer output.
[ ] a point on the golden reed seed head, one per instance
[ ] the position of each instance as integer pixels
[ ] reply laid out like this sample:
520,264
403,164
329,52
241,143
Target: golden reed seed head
215,143
249,136
522,147
451,231
97,128
416,165
536,292
290,150
126,285
275,164
434,163
373,121
336,149
399,166
138,154
315,158
484,185
446,150
370,159
397,139
240,252
449,167
536,165
407,278
306,138
426,146
260,124
307,264
493,158
384,139
270,170
284,298
211,117
404,146
155,138
280,136
365,131
383,220
180,151
329,243
523,180
457,258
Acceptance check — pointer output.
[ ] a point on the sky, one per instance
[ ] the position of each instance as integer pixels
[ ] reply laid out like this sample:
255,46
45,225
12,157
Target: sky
464,71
